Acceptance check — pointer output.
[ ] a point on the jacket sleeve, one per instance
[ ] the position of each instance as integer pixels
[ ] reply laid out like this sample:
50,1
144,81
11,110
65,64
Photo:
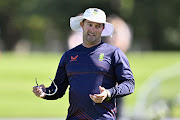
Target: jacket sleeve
60,80
123,75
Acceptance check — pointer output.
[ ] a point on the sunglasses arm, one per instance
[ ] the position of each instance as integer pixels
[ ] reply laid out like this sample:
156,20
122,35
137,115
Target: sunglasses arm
50,94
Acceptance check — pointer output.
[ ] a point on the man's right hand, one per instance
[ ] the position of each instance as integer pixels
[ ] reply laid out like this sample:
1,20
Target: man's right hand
39,91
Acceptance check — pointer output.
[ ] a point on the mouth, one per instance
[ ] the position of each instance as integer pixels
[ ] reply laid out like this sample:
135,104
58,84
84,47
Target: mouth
91,35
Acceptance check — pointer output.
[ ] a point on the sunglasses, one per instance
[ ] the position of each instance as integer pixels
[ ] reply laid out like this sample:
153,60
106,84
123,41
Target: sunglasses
49,94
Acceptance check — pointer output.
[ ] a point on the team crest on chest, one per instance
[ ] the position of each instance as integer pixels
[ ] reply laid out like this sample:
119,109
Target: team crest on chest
101,56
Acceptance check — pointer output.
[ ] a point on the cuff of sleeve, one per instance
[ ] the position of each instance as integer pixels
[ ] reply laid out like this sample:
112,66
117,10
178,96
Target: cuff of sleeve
46,97
108,95
110,92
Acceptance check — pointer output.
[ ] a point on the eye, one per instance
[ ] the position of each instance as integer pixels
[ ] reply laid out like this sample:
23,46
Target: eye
90,25
98,26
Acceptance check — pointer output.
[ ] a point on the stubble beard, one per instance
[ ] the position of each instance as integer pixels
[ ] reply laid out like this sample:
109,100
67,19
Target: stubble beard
90,40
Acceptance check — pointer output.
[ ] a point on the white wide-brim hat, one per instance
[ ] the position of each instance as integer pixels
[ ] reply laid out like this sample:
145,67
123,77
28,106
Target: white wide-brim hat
94,15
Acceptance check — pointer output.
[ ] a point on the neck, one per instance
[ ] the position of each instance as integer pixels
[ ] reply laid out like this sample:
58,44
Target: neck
90,45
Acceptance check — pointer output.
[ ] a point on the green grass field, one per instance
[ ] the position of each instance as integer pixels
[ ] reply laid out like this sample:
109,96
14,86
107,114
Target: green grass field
18,72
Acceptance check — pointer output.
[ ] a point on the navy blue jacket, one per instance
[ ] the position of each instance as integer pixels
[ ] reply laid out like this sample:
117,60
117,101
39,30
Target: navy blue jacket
84,70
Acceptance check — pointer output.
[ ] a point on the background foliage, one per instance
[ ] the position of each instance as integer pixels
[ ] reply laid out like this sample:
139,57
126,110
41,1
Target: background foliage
155,23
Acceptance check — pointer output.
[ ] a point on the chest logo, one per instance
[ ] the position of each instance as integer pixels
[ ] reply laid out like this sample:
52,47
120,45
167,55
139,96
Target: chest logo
74,58
101,57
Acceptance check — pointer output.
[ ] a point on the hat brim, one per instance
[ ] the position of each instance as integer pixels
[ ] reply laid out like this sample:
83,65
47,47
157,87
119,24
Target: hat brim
75,25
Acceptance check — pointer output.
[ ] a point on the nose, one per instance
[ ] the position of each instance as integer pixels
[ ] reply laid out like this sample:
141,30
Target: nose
93,28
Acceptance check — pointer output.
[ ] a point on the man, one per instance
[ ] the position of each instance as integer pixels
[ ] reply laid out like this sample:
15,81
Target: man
92,70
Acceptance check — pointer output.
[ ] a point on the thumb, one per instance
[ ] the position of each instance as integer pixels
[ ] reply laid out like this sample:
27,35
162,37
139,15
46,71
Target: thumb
101,89
43,87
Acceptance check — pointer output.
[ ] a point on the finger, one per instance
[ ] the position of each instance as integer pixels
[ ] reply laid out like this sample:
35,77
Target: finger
102,94
37,94
101,88
37,91
92,97
99,95
42,86
34,91
98,101
35,87
40,94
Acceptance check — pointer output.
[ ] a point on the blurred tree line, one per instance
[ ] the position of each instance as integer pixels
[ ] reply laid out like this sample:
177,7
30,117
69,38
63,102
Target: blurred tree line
155,23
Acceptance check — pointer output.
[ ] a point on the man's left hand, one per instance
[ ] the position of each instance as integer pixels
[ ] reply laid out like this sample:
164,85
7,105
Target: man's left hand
99,98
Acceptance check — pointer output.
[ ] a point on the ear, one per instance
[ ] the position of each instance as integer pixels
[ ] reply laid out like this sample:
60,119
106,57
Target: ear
82,24
103,26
